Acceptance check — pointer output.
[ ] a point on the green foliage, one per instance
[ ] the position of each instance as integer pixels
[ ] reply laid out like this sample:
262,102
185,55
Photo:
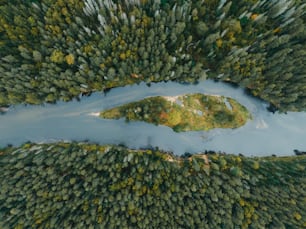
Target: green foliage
258,46
222,117
86,185
266,53
61,46
189,112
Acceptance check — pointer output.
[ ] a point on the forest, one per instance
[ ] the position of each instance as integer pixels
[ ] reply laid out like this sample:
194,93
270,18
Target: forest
59,50
83,185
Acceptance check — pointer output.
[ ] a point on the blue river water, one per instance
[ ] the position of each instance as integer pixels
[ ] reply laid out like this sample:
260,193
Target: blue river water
265,134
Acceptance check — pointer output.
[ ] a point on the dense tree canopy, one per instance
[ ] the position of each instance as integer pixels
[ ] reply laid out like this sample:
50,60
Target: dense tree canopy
54,50
77,185
58,49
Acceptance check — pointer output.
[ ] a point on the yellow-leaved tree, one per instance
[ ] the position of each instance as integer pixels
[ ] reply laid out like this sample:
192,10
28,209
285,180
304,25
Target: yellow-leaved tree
57,56
69,59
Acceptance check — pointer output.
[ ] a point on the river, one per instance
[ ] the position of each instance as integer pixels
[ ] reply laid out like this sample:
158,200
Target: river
266,134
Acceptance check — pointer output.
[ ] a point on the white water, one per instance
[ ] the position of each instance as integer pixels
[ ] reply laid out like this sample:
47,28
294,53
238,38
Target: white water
266,134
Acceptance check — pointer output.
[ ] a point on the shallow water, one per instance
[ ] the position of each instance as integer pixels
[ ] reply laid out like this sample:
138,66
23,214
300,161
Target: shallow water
266,134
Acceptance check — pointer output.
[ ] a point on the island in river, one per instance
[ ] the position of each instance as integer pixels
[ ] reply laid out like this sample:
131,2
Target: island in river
189,112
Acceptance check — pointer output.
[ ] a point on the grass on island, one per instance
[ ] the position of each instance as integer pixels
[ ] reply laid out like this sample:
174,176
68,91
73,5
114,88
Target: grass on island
190,112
